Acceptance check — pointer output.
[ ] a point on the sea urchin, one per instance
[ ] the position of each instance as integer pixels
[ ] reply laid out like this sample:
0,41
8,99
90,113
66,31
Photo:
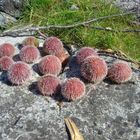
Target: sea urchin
53,46
6,62
94,69
73,89
19,73
48,85
29,54
120,72
31,41
50,64
84,53
7,49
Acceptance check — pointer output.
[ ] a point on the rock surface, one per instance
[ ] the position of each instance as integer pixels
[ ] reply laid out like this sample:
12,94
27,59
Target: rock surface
109,112
10,10
129,5
5,18
12,7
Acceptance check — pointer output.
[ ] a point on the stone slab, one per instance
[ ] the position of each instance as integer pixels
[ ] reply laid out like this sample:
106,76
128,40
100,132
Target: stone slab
107,112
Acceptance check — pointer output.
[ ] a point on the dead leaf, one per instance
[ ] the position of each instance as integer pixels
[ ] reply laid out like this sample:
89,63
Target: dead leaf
73,130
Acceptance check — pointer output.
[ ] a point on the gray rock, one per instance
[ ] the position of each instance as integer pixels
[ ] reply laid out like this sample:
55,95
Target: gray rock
12,7
128,4
109,112
5,18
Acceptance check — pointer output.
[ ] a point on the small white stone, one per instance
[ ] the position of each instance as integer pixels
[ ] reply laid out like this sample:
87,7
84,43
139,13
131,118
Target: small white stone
74,7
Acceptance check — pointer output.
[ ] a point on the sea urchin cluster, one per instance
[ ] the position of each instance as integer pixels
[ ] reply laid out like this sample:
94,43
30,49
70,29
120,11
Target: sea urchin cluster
92,67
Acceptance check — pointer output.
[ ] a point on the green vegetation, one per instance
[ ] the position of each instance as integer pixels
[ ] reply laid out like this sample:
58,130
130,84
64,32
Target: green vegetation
58,12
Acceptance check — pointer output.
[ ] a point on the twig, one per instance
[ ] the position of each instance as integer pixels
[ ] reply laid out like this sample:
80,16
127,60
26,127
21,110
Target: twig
105,53
17,32
16,121
129,30
112,30
43,35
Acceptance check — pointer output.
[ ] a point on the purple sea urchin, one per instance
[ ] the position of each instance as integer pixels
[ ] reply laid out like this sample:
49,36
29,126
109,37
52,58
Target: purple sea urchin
50,64
84,53
94,69
31,41
19,73
6,49
29,54
53,46
73,89
5,62
48,85
120,72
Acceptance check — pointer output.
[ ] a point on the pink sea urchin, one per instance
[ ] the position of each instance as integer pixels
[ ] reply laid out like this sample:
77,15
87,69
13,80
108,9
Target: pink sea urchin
63,57
50,64
53,46
84,53
19,73
31,41
5,62
73,89
29,54
94,69
48,85
120,72
7,49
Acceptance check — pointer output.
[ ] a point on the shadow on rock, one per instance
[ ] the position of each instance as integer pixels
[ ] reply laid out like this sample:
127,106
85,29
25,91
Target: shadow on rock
20,46
16,58
42,53
74,69
58,97
34,89
36,69
4,79
108,81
